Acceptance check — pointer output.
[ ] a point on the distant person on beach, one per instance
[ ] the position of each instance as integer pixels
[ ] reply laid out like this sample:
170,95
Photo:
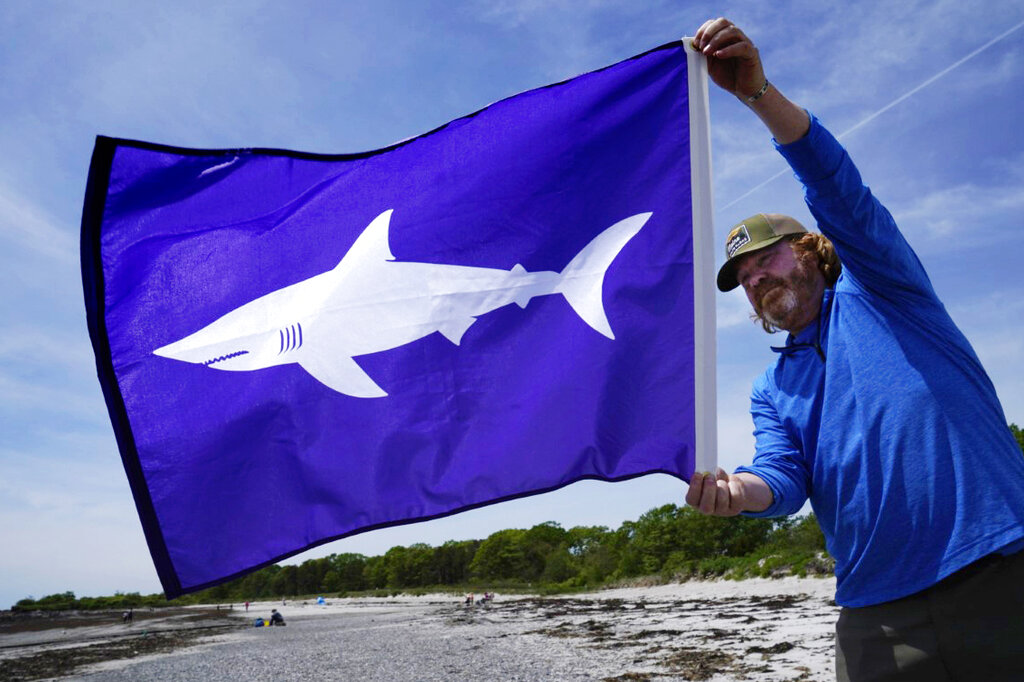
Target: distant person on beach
276,618
878,410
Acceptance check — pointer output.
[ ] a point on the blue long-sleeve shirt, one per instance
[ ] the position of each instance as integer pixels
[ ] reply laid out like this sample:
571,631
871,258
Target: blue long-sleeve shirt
896,436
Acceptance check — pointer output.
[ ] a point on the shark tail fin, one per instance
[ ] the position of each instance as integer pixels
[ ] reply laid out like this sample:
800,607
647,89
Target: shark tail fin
583,278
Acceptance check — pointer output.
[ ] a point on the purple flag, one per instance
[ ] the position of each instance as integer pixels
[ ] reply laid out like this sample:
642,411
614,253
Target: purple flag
297,347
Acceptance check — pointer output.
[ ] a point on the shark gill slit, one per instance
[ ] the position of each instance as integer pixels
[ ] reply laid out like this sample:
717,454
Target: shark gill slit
299,325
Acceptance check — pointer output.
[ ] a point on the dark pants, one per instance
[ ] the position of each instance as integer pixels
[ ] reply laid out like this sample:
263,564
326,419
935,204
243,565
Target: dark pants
968,627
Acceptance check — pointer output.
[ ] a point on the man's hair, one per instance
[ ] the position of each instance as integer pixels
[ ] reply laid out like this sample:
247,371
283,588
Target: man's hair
813,250
817,247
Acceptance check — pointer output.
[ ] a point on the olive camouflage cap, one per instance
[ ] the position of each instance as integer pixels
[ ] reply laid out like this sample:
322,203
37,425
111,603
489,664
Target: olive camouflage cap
753,234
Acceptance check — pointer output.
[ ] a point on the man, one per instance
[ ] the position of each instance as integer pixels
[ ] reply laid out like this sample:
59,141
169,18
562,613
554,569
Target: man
878,411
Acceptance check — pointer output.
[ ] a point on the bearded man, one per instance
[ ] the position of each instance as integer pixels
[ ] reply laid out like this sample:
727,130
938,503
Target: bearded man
878,411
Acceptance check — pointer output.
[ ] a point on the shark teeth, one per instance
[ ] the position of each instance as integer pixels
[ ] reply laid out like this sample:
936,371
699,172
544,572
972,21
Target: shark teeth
225,357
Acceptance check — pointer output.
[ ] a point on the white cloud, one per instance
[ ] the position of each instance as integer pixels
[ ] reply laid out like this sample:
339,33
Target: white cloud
864,55
992,211
992,323
735,437
95,549
569,37
82,476
511,14
732,309
31,227
49,374
743,154
48,397
26,345
203,88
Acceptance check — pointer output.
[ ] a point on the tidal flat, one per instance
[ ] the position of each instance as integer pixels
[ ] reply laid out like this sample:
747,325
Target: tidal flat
720,631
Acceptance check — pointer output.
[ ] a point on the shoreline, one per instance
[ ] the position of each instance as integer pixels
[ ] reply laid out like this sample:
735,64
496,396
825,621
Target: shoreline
823,588
765,629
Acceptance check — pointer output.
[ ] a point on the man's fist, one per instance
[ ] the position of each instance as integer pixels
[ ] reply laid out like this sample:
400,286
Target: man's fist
722,494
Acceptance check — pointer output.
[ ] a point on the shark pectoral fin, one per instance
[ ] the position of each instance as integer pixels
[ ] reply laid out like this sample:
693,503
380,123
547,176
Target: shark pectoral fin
342,374
453,330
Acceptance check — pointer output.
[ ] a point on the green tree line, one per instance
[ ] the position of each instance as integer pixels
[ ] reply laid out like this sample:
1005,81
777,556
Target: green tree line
668,542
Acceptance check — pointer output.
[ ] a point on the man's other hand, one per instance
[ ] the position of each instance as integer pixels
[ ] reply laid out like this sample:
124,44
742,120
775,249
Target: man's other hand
723,494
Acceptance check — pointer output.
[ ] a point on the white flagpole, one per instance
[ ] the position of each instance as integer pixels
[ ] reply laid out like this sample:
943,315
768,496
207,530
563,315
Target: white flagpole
705,357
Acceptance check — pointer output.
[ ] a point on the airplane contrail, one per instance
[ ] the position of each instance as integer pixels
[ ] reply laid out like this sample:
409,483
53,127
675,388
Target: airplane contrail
889,106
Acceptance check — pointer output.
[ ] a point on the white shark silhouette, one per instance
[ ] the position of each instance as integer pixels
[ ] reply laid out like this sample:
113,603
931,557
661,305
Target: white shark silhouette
369,302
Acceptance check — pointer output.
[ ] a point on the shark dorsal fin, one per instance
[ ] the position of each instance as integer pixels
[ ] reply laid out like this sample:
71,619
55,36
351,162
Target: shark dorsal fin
372,245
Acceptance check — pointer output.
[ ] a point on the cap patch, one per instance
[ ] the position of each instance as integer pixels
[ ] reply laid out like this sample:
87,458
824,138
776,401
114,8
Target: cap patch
739,237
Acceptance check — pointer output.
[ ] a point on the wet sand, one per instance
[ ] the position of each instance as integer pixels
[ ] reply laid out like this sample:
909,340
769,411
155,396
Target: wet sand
718,631
56,645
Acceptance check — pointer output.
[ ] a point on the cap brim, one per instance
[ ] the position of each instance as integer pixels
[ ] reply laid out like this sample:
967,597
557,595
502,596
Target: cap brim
727,274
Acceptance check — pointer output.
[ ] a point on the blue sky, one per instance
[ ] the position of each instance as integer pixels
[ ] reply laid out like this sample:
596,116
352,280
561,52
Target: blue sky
948,161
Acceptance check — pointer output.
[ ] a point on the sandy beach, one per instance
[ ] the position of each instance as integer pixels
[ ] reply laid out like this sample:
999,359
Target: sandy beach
718,631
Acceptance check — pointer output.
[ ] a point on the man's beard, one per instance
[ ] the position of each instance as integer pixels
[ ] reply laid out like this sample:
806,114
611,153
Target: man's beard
784,302
778,306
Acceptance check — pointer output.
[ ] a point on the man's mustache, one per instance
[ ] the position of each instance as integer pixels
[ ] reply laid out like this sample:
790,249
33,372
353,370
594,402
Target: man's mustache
764,286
